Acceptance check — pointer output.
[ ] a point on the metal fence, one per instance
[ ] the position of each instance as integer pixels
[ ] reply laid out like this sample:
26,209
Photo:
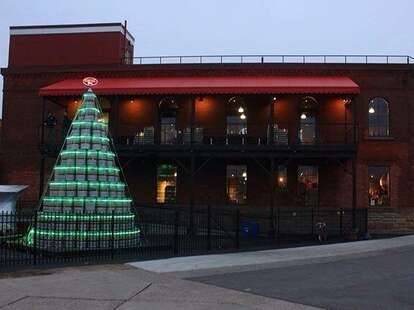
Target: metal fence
171,231
275,59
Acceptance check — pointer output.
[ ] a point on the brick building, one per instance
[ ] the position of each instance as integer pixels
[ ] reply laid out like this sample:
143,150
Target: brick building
254,131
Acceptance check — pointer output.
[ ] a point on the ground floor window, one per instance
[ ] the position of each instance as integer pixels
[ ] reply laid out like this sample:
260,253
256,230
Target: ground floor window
378,185
236,178
166,184
281,177
308,184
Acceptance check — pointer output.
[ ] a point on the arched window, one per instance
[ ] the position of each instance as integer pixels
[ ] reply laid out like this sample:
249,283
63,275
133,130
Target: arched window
378,118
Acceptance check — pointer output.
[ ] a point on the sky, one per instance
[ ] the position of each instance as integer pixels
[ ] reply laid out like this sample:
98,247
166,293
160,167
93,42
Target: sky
190,27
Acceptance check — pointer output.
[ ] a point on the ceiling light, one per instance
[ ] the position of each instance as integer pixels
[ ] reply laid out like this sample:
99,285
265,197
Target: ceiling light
371,110
240,110
303,116
244,175
274,98
243,116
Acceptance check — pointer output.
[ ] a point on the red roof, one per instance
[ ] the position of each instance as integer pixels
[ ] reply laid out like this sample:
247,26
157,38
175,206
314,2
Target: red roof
208,85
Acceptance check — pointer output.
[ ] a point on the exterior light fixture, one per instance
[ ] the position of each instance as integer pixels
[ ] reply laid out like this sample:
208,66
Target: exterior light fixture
244,174
240,110
371,110
274,98
243,116
303,116
175,174
281,179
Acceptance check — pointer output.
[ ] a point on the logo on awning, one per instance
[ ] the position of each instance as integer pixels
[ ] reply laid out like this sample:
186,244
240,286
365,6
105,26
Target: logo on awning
90,81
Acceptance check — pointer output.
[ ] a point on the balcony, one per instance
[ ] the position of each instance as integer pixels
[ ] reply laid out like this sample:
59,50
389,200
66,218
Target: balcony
283,138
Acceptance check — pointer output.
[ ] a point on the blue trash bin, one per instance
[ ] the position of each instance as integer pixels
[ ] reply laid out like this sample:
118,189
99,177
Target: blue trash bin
249,229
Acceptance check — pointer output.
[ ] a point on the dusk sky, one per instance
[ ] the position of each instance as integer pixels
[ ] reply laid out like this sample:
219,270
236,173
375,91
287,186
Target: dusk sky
185,27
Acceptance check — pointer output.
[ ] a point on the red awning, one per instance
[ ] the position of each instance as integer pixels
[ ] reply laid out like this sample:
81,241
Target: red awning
208,85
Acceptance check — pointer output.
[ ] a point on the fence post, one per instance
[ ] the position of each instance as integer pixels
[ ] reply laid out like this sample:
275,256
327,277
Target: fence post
112,234
208,227
366,221
176,219
340,222
312,221
237,228
34,239
278,226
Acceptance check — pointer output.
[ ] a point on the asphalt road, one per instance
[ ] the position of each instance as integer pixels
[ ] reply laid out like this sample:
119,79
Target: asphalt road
381,281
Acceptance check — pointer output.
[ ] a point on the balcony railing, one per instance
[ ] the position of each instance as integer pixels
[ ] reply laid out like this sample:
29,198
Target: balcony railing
275,59
282,135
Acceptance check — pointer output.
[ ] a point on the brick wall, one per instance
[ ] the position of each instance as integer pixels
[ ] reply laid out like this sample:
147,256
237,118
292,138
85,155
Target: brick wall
391,220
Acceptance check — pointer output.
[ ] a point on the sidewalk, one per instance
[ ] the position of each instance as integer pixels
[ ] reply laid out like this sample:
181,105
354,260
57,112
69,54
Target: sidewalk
122,287
196,265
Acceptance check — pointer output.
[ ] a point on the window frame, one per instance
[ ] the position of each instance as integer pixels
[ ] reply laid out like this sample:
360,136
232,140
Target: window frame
388,122
228,201
157,185
389,185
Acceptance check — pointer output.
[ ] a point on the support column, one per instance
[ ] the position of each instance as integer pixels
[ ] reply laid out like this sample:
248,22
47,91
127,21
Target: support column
192,120
42,146
271,122
354,191
155,164
272,194
115,118
354,164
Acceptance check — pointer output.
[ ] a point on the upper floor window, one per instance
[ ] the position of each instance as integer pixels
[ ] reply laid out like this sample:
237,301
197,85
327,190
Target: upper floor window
236,116
378,118
168,109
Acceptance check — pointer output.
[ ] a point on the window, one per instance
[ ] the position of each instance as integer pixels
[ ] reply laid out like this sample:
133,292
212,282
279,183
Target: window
236,117
281,176
236,177
308,184
378,118
168,130
168,109
307,117
166,184
378,185
104,118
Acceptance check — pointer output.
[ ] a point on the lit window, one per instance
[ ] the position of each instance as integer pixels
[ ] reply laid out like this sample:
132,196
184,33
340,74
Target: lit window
104,118
378,118
236,184
166,184
308,184
281,176
236,116
378,185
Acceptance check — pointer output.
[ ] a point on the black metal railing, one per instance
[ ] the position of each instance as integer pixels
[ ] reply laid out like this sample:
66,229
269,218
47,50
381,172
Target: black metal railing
275,59
282,134
169,231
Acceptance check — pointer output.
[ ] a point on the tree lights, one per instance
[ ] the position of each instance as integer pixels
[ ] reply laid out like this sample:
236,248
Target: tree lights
85,206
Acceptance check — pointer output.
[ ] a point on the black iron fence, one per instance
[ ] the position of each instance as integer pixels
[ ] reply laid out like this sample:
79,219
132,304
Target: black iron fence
167,232
282,134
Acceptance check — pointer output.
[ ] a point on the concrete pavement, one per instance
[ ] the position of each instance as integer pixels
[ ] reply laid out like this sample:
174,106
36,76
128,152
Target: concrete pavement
122,287
191,265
